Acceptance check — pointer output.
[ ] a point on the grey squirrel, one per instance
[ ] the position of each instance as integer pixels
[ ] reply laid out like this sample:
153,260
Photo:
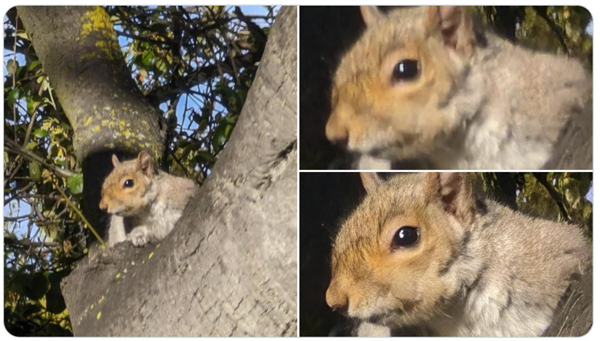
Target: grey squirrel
144,203
428,84
424,251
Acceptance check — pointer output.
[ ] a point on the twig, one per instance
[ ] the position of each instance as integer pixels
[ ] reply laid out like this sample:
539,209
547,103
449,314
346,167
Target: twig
14,76
14,147
541,178
78,212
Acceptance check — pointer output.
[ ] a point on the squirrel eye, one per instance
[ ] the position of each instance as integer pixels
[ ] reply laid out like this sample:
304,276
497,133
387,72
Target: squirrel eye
128,183
406,70
405,236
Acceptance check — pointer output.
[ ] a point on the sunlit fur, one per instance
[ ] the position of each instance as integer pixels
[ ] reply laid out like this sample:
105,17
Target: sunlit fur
147,211
479,269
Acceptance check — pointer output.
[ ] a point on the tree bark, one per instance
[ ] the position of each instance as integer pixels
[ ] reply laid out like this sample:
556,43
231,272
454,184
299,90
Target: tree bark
79,51
229,266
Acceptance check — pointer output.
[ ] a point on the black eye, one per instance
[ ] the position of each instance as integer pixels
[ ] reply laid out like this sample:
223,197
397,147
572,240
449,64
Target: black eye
406,70
128,183
405,236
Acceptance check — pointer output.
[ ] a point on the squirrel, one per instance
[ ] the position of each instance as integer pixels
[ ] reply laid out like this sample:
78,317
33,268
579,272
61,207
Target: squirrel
425,251
429,84
144,203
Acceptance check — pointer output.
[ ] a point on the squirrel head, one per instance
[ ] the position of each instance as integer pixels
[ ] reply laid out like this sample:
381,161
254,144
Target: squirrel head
391,258
125,190
391,89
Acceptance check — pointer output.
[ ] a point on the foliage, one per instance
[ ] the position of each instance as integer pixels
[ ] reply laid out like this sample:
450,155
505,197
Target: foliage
196,63
555,29
554,196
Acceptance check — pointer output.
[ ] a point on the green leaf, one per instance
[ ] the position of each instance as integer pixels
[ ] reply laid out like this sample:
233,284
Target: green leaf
206,156
45,84
33,65
31,145
13,96
75,183
40,133
32,104
11,66
60,162
34,171
147,58
22,34
222,134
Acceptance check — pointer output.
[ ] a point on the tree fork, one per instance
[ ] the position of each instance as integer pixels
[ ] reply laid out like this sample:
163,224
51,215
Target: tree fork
228,268
78,49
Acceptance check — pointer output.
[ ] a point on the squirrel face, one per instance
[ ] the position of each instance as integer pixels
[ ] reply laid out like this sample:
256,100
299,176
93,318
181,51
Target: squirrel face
125,190
388,256
391,89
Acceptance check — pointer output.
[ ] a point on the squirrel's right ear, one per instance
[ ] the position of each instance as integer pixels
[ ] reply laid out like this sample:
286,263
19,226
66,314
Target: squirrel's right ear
371,14
370,181
115,161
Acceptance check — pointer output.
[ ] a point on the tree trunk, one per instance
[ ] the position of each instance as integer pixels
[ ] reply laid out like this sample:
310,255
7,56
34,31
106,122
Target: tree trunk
229,266
79,51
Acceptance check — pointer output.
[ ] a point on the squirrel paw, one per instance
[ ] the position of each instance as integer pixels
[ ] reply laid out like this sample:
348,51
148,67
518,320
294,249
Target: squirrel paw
138,238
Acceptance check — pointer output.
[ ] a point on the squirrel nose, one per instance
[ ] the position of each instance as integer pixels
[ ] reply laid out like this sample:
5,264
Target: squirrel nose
338,301
103,205
337,133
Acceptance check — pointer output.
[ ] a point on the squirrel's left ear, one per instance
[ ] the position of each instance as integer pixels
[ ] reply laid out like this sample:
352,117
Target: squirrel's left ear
145,164
371,15
371,181
454,25
115,161
455,193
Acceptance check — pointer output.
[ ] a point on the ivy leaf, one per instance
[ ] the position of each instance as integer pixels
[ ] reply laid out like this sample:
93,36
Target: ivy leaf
35,173
206,156
222,134
32,104
75,183
11,66
40,133
13,96
33,65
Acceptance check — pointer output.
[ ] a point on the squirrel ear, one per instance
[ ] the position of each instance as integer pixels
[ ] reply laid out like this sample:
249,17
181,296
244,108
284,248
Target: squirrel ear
115,161
370,181
144,162
370,14
455,25
455,192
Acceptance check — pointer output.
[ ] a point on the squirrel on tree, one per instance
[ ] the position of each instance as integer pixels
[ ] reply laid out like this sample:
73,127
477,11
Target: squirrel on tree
429,84
424,251
144,203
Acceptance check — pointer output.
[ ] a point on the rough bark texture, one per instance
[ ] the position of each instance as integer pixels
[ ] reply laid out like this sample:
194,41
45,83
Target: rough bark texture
79,51
229,266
